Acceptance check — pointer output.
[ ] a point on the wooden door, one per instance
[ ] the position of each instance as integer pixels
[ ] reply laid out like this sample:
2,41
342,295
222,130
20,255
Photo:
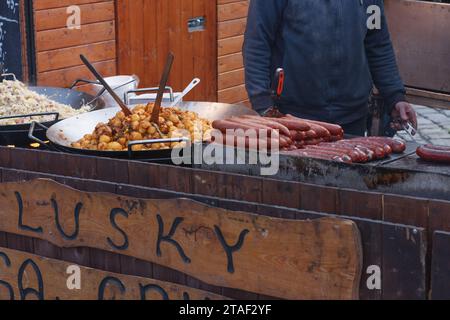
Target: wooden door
148,29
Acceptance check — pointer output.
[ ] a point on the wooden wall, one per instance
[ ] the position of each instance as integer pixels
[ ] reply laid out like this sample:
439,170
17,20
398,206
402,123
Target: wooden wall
58,48
231,26
149,29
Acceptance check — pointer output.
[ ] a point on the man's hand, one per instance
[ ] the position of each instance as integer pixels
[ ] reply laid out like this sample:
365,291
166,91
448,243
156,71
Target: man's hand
402,113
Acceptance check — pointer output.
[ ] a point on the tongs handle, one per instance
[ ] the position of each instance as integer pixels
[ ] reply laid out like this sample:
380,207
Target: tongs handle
408,128
162,88
94,71
278,84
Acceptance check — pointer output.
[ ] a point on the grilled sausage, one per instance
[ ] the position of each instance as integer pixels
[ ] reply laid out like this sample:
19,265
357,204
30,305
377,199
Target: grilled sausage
321,131
378,152
334,129
318,155
371,142
355,154
434,153
270,123
397,145
293,123
223,125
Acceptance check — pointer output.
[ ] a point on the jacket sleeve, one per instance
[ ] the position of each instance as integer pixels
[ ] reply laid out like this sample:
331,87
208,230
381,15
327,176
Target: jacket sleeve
263,23
383,64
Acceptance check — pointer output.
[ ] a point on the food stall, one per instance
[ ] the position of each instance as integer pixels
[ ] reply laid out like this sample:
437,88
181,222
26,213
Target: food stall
342,218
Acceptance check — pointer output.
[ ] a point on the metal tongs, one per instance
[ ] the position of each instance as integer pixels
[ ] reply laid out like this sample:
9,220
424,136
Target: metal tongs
408,128
277,90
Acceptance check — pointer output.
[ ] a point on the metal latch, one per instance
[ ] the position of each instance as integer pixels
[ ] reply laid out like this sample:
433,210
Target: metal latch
196,24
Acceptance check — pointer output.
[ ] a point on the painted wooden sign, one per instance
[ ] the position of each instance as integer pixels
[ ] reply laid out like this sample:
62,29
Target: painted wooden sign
317,259
26,276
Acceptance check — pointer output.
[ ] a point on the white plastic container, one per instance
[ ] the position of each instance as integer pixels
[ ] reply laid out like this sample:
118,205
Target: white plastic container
121,85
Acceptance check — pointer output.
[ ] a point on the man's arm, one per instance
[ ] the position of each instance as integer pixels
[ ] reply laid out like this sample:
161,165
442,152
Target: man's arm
385,73
383,64
262,29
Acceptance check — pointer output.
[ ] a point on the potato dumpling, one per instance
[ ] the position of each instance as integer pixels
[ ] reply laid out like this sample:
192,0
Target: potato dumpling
114,146
104,139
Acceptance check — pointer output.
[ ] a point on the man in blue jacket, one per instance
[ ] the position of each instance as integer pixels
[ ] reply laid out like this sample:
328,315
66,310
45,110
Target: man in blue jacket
332,51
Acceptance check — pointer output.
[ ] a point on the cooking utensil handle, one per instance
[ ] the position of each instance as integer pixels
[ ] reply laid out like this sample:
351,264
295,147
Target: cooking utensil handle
99,94
162,86
5,75
35,139
77,81
195,82
153,141
56,114
143,90
105,85
278,83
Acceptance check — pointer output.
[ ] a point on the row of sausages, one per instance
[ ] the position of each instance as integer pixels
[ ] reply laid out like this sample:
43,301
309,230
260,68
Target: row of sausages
358,150
293,133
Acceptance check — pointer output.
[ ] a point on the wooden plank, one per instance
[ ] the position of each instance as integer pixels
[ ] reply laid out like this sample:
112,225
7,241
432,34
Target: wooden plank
84,166
404,263
230,45
212,184
245,189
230,62
130,226
70,57
49,4
49,279
360,204
65,77
372,273
318,198
63,38
46,249
406,210
281,193
3,241
440,268
57,18
5,157
233,95
23,159
107,166
48,162
233,10
231,79
231,28
439,216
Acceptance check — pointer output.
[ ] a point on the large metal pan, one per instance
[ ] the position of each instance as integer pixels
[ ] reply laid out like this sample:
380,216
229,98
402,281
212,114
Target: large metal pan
62,134
18,134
